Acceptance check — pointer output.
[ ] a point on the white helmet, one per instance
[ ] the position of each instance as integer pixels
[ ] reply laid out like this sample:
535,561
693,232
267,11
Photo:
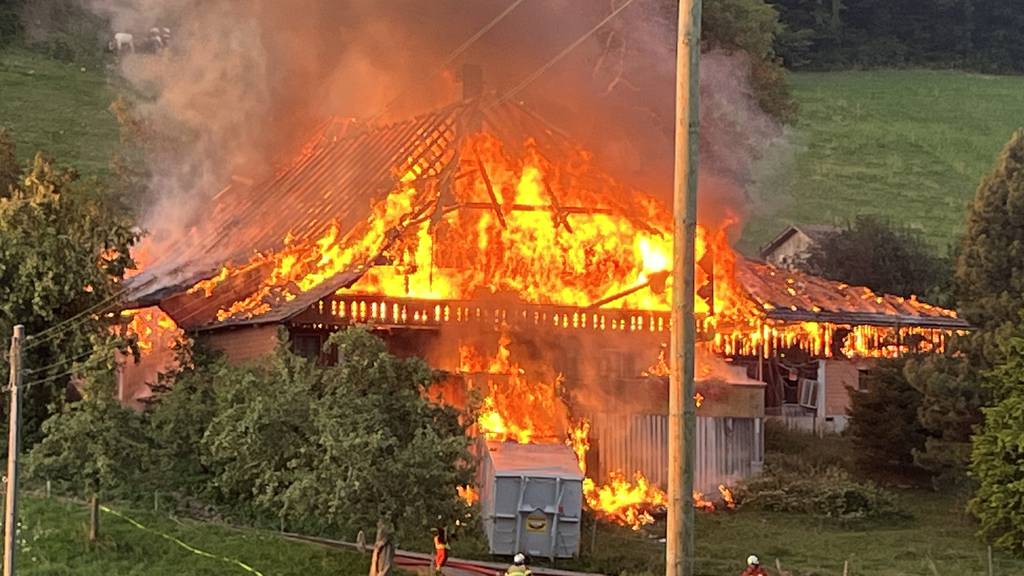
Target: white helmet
519,559
753,561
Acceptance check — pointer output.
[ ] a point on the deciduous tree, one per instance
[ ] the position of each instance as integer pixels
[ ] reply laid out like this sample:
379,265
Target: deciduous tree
340,447
94,446
62,256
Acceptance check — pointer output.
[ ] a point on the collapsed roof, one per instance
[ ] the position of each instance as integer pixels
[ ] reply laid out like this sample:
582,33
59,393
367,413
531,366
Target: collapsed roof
347,168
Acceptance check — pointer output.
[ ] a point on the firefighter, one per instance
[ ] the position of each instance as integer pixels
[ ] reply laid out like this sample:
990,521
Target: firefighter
440,548
518,567
754,567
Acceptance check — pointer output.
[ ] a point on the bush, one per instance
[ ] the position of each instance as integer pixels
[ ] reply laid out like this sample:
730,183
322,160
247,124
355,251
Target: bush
830,493
798,450
10,21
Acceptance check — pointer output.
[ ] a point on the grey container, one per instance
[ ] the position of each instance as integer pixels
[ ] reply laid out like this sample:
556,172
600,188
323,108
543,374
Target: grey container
531,499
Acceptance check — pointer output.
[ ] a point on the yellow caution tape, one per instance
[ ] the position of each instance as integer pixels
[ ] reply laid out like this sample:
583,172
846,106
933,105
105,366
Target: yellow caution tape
191,549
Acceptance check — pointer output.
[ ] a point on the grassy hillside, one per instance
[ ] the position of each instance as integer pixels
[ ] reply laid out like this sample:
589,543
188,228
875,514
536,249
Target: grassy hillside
52,542
59,108
908,144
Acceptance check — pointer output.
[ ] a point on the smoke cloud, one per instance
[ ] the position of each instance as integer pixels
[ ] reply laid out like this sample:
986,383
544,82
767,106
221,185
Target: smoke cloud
242,82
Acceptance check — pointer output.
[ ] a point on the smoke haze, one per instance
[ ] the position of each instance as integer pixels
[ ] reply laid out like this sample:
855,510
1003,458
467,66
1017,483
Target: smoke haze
243,82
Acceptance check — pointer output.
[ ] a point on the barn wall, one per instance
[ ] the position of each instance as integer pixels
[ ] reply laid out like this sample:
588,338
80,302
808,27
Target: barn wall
244,344
728,449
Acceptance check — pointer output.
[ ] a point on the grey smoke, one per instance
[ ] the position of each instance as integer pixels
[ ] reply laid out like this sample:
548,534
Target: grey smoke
244,81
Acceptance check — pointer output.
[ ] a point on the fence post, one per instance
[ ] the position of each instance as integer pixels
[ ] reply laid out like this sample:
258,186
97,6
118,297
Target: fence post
94,518
991,569
593,536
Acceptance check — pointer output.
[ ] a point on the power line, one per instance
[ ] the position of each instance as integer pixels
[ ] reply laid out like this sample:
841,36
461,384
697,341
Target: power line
455,53
472,39
81,356
79,318
540,71
64,374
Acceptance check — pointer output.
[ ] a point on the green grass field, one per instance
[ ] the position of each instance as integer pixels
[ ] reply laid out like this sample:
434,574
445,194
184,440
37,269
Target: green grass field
937,532
910,145
58,108
52,542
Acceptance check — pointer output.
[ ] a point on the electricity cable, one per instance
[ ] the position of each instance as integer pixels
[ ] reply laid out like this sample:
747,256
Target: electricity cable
454,54
100,307
540,71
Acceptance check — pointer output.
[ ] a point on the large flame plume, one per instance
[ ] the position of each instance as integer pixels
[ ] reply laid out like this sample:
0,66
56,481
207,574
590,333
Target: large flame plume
524,410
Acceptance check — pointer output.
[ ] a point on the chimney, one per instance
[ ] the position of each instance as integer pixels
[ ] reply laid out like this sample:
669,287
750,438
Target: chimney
472,81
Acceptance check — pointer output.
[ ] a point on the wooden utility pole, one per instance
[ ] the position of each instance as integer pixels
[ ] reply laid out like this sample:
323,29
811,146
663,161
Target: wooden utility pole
13,447
682,413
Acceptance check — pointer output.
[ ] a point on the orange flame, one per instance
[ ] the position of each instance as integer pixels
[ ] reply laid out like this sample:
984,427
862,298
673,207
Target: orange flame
468,494
153,328
516,408
550,232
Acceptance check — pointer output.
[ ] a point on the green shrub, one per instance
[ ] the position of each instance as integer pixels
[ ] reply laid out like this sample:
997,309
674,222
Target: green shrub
799,450
826,493
10,21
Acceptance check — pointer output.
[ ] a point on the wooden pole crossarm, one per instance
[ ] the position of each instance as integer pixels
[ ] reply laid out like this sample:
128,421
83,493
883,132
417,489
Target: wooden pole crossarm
656,281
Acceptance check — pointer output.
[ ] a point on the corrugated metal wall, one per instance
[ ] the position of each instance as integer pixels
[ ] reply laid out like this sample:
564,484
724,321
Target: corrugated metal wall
728,449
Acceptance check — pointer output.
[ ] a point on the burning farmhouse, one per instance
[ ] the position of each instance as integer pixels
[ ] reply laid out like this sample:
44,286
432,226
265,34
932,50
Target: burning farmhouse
487,242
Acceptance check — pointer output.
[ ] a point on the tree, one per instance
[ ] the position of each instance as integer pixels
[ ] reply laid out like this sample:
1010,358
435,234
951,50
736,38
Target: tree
839,33
997,460
751,26
93,447
989,274
871,252
62,256
339,447
183,406
884,421
990,267
950,410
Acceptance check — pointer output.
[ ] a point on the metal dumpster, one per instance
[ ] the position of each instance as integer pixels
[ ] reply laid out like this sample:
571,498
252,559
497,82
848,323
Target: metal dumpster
531,499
